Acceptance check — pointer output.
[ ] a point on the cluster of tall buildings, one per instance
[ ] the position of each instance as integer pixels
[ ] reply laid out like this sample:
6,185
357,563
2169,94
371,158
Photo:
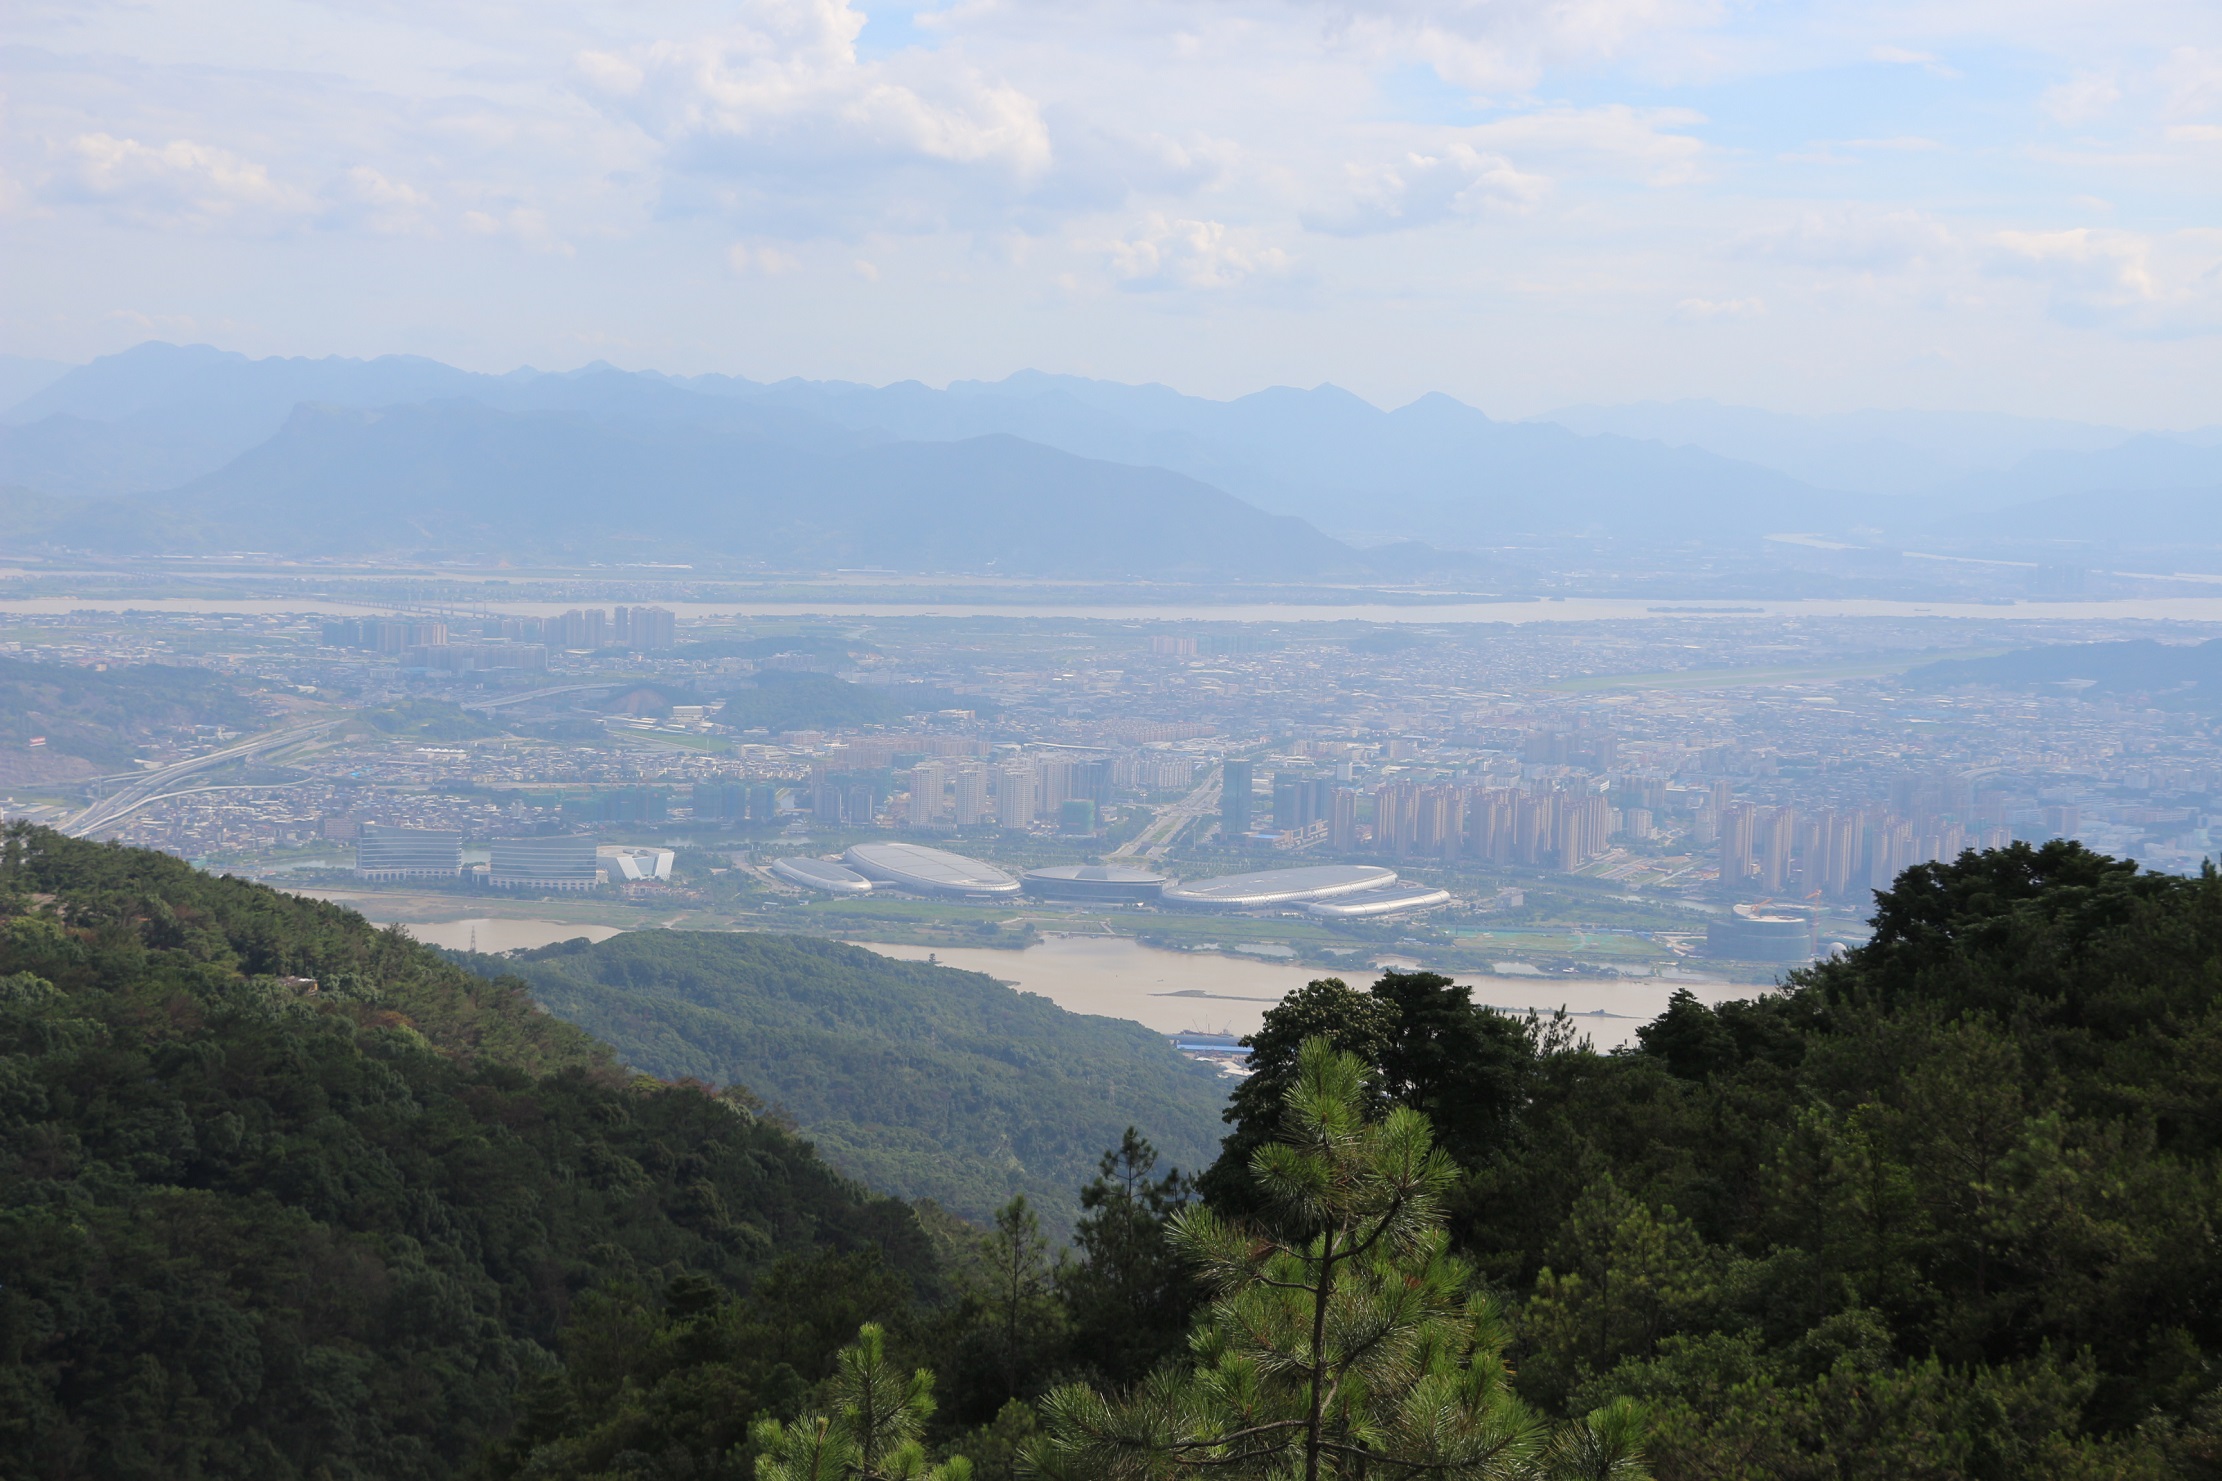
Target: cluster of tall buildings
735,802
1542,826
1013,795
641,629
1537,827
384,634
504,642
1836,853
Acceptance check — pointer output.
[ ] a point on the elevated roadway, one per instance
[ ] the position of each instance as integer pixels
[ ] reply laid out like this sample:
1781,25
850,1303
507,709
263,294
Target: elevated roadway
149,785
517,699
1156,840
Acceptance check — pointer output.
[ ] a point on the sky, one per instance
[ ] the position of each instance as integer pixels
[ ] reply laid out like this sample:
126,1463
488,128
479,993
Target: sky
1955,204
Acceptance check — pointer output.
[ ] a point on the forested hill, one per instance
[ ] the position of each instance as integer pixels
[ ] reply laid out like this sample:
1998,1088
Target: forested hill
255,1227
1944,1208
919,1080
90,720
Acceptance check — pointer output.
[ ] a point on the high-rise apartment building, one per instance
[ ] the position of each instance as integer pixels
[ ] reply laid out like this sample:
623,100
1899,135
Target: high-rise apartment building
926,780
644,629
579,628
1342,820
1091,779
1235,802
1738,823
1777,837
1053,777
968,791
1014,796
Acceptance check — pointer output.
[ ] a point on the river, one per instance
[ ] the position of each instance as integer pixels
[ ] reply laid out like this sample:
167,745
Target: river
1171,991
1524,610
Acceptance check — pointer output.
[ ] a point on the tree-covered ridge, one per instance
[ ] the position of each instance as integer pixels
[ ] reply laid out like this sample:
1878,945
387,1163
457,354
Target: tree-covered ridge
250,1229
1944,1207
101,715
919,1080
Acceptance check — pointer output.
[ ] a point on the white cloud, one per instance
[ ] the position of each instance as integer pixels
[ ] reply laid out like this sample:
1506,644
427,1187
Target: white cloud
2160,284
1641,141
177,183
1863,241
745,258
523,226
1190,254
1898,144
385,205
1900,56
2083,97
1462,167
1502,46
2091,267
2192,80
777,115
1699,310
1425,186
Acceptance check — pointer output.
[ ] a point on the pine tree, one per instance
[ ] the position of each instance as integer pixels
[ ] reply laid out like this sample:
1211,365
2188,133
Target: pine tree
1131,1293
1343,1339
873,1432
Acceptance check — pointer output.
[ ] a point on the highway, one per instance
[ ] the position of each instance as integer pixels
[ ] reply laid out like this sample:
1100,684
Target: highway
147,786
518,699
1155,840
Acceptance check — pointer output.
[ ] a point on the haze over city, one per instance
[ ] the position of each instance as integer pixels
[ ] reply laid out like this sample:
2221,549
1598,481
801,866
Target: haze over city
1279,740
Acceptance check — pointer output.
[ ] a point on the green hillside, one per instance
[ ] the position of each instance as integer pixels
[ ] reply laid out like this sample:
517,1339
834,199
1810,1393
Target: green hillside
104,715
919,1080
248,1228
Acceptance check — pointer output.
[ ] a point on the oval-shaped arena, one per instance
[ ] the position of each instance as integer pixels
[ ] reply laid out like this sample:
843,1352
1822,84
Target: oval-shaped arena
1395,900
929,871
1273,887
1102,884
822,874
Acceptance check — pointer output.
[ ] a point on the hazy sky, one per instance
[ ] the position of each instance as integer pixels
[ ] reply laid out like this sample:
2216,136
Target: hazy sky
2007,204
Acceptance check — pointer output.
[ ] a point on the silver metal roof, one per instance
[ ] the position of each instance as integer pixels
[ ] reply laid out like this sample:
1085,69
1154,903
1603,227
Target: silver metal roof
929,871
1096,874
1280,886
1394,900
822,874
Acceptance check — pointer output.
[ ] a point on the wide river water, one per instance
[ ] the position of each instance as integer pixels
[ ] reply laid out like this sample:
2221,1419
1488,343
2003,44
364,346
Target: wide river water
1173,991
1570,609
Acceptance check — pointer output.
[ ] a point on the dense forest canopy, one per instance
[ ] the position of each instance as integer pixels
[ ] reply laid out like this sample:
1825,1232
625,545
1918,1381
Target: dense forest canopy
919,1080
1942,1208
251,1228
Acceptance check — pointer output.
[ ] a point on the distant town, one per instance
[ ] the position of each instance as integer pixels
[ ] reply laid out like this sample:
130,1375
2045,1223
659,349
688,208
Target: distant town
1708,788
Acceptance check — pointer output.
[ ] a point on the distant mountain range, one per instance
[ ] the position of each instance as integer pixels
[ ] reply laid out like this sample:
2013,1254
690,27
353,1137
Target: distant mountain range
189,447
467,479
